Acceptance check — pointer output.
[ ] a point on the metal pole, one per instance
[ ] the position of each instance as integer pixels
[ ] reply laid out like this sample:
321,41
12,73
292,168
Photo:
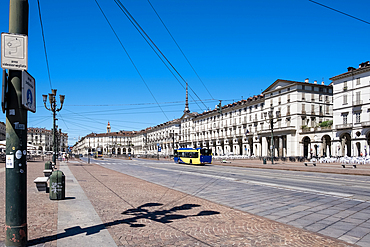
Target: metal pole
272,140
16,142
53,108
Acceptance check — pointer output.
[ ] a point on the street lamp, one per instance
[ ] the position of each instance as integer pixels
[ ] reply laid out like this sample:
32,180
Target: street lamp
54,109
271,121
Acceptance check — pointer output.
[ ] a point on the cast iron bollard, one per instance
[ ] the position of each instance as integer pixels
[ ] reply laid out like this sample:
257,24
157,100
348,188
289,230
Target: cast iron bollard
48,165
57,189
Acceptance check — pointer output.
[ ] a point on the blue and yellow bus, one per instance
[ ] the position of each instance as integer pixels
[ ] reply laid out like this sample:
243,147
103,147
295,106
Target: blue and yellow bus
196,156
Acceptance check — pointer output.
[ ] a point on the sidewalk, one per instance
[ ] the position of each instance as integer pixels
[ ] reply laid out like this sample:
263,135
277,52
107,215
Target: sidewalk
107,208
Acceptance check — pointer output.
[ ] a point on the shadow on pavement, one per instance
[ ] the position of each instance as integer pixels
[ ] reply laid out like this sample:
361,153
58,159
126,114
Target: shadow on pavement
141,212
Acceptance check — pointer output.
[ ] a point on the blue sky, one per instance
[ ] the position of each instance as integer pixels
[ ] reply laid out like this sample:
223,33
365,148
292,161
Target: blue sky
238,48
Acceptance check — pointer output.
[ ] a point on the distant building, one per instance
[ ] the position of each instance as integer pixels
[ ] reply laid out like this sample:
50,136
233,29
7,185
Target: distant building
42,139
243,128
109,143
2,131
352,111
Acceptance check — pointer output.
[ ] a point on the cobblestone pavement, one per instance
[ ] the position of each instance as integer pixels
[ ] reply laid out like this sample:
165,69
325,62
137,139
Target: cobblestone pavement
139,213
42,213
330,204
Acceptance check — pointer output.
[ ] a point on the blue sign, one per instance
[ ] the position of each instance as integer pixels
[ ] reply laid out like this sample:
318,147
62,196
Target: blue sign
159,149
28,92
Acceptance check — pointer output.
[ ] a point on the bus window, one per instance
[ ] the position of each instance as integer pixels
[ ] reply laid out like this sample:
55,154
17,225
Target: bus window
175,153
192,154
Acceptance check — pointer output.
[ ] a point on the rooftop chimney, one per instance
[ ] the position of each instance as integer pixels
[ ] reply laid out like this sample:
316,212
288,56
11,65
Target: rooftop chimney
315,82
363,65
307,80
323,83
350,69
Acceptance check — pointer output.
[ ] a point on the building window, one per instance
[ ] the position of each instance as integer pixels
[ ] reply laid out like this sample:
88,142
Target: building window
358,117
344,116
321,89
345,99
320,97
303,120
358,98
345,86
303,87
358,82
303,96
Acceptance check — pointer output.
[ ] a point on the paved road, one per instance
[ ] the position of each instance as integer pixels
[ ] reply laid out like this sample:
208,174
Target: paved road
331,204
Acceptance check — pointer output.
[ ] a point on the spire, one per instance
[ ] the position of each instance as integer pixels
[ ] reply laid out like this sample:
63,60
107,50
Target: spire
108,127
187,101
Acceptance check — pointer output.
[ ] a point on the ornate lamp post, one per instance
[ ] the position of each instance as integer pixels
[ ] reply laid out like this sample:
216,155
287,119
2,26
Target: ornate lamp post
54,109
270,120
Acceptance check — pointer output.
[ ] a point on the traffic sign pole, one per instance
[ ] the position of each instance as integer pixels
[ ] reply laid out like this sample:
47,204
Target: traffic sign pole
16,141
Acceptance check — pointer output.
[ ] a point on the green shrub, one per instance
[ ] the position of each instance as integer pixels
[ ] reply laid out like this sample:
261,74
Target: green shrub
326,123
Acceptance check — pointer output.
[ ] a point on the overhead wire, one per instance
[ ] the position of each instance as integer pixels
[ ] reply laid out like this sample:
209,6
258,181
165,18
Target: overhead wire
343,13
43,39
179,48
132,62
150,41
162,103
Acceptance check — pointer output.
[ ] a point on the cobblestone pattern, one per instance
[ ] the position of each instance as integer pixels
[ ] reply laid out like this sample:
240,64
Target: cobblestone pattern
42,213
139,213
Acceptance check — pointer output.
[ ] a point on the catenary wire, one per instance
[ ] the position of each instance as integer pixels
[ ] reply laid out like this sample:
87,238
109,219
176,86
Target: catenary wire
339,11
179,48
155,51
147,39
43,39
132,62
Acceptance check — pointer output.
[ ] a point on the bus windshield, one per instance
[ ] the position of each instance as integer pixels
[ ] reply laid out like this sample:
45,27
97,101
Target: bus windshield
206,152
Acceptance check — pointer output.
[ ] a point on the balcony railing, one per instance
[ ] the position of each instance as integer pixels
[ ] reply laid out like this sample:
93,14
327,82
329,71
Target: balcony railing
343,126
365,124
357,102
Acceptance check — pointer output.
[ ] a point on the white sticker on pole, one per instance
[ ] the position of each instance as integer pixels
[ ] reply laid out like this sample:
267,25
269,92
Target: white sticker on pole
10,161
18,154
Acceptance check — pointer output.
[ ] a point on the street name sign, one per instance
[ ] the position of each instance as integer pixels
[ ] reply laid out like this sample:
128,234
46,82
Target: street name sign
14,51
28,92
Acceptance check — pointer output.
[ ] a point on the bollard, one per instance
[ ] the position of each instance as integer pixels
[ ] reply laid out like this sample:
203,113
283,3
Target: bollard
264,161
57,186
48,165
